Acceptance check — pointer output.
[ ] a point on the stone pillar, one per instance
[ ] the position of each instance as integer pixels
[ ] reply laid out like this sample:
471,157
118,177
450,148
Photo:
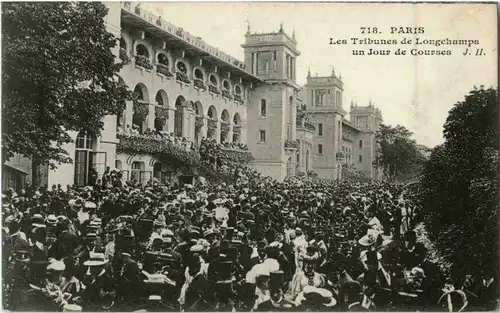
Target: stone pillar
203,130
230,134
192,125
127,114
171,121
186,123
150,119
217,132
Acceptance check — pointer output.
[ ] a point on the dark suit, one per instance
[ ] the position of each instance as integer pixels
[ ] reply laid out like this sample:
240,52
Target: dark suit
198,297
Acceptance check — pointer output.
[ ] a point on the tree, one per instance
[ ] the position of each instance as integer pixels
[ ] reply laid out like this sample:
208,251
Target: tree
58,74
398,155
460,185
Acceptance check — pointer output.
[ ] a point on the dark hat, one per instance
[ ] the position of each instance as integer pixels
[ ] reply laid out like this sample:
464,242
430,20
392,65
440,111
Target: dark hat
276,279
90,236
127,233
21,256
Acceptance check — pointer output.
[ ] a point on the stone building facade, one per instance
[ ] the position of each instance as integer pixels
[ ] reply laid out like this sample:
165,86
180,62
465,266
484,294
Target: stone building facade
192,90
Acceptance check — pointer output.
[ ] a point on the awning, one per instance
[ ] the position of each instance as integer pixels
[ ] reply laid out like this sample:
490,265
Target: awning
17,168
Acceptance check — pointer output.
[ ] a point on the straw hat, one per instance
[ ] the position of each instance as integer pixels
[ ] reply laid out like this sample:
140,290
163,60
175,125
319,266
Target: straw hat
72,308
96,259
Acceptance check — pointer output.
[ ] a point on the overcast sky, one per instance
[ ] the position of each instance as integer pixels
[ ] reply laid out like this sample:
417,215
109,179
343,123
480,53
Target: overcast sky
393,83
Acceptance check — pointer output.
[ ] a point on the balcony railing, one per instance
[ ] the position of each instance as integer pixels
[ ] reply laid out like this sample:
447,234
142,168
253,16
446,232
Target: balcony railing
154,146
224,127
213,89
163,70
199,122
144,62
198,83
291,144
238,98
181,76
123,56
226,94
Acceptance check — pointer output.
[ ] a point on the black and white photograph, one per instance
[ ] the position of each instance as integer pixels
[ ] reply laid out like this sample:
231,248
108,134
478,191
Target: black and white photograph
249,156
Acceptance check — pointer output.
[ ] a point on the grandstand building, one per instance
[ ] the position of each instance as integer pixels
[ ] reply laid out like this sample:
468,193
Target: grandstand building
192,90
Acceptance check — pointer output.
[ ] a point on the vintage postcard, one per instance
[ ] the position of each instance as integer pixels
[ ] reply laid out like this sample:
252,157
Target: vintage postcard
249,156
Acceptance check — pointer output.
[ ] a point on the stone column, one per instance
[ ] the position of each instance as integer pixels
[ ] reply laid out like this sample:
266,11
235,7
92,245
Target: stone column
192,125
230,134
128,113
150,119
217,132
203,130
171,121
186,122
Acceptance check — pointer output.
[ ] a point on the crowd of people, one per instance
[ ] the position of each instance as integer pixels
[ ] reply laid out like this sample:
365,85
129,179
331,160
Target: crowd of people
256,245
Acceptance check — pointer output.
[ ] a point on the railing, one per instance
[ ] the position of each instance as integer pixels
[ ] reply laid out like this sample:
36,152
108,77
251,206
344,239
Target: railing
186,36
238,98
181,76
144,62
212,124
224,127
199,122
163,70
227,94
213,89
291,144
154,146
123,56
198,83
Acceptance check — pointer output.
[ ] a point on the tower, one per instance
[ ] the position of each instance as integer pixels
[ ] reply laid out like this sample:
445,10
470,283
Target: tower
367,119
272,133
324,94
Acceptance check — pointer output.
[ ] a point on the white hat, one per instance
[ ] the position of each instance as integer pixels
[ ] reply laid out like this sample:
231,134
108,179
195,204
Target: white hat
154,298
72,308
56,266
156,279
96,259
90,205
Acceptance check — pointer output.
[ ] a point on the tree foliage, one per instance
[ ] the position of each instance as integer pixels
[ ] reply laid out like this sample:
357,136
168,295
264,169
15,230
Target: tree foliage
460,185
59,74
397,156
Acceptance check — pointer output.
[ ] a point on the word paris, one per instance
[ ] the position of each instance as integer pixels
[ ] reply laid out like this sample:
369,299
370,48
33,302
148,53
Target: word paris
394,30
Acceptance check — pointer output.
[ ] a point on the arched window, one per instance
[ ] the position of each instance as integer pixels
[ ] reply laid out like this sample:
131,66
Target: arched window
198,74
85,140
237,90
159,99
226,85
163,59
179,115
181,67
142,51
139,93
213,80
263,108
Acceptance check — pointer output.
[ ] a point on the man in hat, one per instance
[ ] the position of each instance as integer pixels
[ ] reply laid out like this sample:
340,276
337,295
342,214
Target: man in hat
16,280
195,293
128,277
39,257
100,293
